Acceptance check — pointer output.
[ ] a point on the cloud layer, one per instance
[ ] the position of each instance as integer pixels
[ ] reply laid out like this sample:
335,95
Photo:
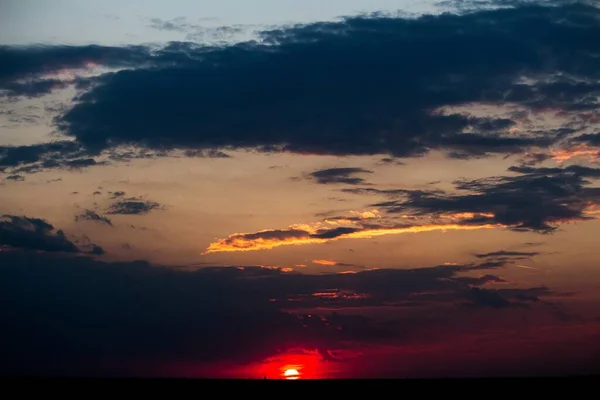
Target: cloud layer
37,234
85,317
364,85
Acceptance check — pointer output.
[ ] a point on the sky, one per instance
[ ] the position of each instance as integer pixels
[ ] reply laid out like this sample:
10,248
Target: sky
342,189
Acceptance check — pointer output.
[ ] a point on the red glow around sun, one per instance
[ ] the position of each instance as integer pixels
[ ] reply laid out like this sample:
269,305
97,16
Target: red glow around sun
292,366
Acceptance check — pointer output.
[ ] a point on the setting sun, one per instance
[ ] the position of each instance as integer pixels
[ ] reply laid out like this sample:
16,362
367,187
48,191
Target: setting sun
291,374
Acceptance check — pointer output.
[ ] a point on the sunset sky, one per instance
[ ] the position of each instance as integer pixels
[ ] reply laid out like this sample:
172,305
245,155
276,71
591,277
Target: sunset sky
343,188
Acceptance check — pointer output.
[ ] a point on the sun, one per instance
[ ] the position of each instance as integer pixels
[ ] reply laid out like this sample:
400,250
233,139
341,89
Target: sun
291,374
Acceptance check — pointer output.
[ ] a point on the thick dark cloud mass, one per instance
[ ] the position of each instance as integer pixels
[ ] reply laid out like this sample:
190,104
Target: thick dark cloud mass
339,175
364,85
70,316
37,234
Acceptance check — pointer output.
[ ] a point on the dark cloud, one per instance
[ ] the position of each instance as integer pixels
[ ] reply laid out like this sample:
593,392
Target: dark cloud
384,192
531,159
34,158
574,171
133,206
37,234
206,153
339,175
118,194
34,88
18,178
390,160
275,235
85,317
485,297
591,139
90,215
537,199
22,63
504,253
468,145
334,232
362,85
12,156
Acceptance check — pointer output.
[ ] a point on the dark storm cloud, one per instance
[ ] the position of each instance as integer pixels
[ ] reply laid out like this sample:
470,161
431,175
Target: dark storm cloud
38,234
339,175
133,206
90,215
363,85
88,317
538,199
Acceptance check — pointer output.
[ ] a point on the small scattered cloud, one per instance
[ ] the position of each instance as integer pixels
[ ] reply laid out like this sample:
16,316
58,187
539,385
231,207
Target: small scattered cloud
133,206
16,178
339,175
116,194
90,215
504,253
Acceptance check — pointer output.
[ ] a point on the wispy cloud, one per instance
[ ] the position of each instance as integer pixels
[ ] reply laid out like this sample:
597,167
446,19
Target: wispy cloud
306,234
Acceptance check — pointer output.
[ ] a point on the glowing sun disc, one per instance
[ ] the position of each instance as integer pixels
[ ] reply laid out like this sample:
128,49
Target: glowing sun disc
291,373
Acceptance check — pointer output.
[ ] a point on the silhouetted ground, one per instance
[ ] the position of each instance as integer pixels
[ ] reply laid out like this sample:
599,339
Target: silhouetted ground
463,387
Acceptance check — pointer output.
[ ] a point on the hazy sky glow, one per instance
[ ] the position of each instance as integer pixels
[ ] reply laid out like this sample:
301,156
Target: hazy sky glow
237,189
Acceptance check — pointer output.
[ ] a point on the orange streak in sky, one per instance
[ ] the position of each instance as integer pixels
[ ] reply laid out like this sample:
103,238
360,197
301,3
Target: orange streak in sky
324,262
237,242
584,151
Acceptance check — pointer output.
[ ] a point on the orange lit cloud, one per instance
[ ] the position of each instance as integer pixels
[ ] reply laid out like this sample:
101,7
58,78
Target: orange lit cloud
580,151
366,214
269,239
324,262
